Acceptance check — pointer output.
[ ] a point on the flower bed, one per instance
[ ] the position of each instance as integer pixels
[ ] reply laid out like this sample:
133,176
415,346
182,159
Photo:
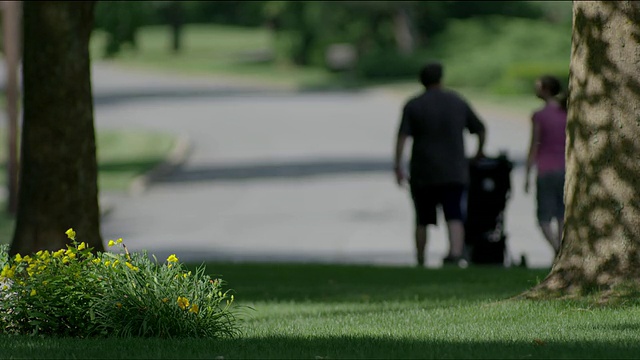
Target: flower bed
75,292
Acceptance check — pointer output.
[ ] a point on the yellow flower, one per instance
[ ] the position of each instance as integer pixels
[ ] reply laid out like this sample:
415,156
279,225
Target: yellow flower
164,300
106,263
96,261
18,258
134,268
58,253
116,262
7,272
172,258
119,241
111,243
183,302
194,309
71,234
72,256
33,292
82,246
27,259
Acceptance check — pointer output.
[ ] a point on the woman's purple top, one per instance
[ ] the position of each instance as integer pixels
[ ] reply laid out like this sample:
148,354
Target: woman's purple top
552,120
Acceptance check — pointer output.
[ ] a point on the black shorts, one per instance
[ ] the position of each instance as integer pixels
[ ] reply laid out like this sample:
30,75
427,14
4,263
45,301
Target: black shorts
550,196
427,198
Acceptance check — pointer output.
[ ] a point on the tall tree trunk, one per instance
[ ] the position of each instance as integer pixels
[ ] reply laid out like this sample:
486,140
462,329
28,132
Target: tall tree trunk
11,15
402,31
601,240
176,23
58,175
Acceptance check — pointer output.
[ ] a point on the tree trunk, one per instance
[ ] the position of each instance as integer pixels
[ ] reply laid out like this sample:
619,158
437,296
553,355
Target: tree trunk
58,175
601,240
175,21
402,31
11,15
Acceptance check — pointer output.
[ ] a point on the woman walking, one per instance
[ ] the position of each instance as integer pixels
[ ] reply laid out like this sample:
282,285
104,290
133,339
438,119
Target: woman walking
547,153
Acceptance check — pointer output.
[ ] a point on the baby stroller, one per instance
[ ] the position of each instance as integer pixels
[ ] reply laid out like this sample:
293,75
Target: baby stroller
489,190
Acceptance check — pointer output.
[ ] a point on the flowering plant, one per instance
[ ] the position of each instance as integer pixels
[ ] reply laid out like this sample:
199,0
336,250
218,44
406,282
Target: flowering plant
74,292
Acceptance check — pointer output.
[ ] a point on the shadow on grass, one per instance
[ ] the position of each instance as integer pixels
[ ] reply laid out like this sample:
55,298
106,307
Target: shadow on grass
333,347
370,284
377,347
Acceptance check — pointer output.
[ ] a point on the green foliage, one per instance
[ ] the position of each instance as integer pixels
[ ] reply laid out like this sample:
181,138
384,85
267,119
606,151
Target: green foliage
468,9
520,77
49,293
74,292
389,64
480,52
238,13
147,299
488,35
120,20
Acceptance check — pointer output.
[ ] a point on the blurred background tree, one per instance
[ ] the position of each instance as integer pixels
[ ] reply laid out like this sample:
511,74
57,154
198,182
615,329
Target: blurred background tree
503,45
120,20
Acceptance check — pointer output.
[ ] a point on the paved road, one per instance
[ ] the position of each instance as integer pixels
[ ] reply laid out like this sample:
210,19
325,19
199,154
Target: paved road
280,175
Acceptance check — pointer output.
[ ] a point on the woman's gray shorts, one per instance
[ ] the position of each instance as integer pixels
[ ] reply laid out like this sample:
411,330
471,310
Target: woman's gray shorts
550,196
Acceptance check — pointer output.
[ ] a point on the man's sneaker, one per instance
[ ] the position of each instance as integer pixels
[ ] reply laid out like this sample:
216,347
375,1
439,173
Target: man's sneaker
460,261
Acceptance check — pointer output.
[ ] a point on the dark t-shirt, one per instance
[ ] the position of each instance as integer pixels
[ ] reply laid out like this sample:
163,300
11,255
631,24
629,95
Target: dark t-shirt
436,120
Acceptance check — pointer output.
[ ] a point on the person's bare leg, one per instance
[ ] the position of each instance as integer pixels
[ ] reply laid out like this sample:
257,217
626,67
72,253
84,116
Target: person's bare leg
456,238
549,234
421,243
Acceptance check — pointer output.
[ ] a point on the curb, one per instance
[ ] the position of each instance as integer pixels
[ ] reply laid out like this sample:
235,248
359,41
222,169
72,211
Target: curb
176,158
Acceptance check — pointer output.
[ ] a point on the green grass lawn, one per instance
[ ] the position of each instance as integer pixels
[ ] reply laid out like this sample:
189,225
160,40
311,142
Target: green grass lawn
214,50
125,155
334,311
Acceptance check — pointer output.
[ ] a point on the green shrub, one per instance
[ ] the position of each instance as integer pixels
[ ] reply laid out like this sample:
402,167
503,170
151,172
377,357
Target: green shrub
73,292
482,52
389,64
519,78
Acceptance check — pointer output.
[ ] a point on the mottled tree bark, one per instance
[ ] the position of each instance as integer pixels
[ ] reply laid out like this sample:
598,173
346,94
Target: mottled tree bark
58,175
601,240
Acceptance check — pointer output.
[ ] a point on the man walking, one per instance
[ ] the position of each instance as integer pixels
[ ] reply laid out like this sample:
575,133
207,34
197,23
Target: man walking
439,169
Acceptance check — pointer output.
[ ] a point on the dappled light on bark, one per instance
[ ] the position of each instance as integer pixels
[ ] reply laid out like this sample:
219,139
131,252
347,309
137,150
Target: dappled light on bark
601,240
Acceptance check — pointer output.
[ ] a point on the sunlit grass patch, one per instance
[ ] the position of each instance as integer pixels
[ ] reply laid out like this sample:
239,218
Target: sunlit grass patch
124,155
